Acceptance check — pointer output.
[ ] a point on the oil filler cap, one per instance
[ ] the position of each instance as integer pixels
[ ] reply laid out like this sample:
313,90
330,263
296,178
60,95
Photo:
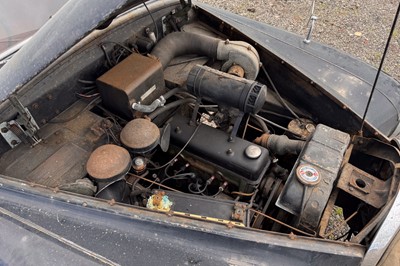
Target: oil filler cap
253,152
308,175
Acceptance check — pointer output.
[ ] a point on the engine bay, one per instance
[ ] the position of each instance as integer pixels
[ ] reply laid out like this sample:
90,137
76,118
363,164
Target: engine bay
191,123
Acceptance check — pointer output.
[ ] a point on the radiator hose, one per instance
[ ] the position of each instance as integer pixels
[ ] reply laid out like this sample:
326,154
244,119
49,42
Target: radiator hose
280,144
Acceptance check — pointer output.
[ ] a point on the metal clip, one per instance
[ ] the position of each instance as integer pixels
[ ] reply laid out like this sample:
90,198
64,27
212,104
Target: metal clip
239,212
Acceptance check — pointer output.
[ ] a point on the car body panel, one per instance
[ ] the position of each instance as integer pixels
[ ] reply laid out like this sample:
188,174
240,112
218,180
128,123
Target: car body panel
330,74
20,19
55,38
127,235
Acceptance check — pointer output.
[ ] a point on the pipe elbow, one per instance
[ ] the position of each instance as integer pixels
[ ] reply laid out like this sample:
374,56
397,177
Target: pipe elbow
149,108
231,52
239,53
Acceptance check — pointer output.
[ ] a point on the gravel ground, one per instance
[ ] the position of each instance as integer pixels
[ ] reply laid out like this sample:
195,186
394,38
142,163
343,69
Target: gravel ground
357,27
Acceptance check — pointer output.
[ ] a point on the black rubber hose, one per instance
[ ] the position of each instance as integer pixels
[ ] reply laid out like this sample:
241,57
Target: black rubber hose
182,43
172,92
261,123
280,144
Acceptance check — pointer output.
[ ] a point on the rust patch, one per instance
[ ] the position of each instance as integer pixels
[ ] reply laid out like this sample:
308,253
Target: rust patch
236,70
364,186
111,202
108,161
140,135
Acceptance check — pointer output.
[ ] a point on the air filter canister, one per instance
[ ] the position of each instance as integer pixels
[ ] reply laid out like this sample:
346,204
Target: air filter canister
107,166
108,162
140,135
225,89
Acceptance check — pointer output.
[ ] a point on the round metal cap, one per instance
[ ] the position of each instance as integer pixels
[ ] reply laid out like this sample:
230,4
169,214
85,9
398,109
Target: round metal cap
139,164
308,175
140,135
108,162
253,152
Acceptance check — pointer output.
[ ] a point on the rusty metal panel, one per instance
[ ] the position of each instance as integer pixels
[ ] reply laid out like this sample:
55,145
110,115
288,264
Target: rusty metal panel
310,183
364,186
137,78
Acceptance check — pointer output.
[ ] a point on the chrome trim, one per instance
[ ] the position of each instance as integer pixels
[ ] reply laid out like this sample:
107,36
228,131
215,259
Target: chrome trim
386,233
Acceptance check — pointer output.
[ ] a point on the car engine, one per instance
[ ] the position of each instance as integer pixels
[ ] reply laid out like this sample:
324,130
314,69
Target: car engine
193,125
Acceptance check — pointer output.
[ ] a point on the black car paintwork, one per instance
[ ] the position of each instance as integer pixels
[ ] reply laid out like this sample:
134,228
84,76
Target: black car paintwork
135,236
70,24
131,236
329,83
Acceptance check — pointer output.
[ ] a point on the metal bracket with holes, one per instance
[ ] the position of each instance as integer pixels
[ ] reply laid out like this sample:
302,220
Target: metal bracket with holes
364,186
25,123
12,139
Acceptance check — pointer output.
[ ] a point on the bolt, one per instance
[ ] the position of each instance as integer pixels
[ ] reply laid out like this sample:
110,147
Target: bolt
229,152
178,130
14,142
139,162
314,204
4,130
351,189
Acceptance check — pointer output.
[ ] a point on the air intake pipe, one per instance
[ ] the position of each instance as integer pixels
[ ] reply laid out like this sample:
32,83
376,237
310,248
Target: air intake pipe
231,52
219,87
